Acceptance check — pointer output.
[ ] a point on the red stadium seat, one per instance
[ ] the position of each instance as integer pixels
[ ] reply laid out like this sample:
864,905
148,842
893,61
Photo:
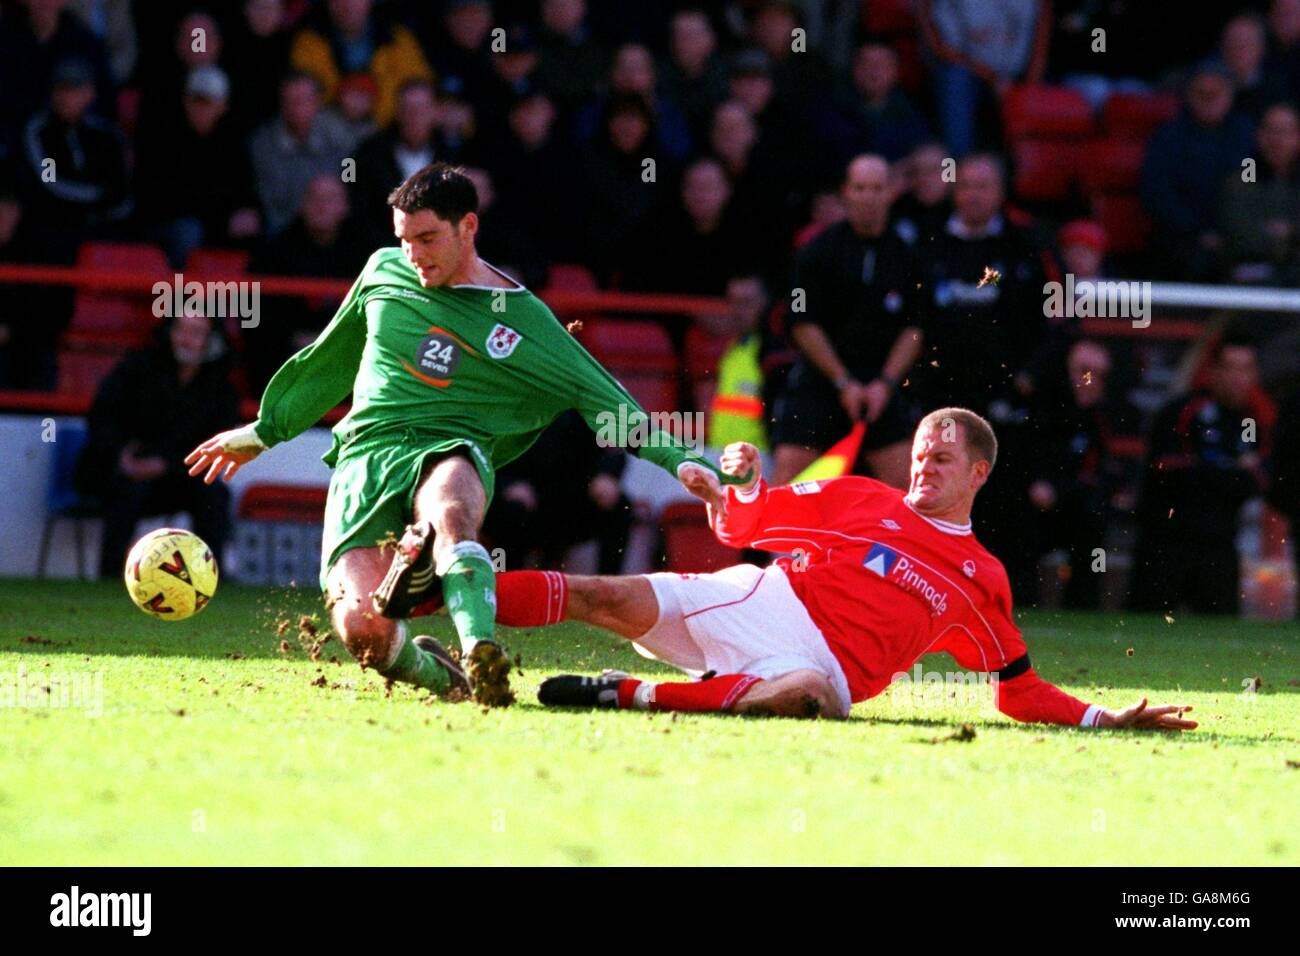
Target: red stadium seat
218,263
81,371
1127,226
570,277
689,543
1134,116
1044,169
628,344
127,256
703,352
1046,111
289,503
115,319
654,391
1110,166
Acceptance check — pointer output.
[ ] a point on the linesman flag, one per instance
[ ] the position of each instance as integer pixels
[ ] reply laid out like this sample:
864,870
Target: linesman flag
838,459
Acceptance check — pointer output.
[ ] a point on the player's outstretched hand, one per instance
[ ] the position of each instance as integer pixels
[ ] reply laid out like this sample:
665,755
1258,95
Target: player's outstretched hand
225,453
741,458
1142,717
703,484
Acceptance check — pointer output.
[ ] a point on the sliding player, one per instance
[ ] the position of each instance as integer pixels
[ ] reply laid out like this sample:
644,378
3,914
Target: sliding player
877,579
454,370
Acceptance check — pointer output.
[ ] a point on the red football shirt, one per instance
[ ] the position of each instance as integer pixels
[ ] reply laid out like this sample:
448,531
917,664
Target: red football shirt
886,585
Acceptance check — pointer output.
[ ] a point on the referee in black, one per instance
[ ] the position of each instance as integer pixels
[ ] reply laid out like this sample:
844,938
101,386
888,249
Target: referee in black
855,317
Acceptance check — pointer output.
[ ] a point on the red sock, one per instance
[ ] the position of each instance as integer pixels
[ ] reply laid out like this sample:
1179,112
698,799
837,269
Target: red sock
715,694
531,598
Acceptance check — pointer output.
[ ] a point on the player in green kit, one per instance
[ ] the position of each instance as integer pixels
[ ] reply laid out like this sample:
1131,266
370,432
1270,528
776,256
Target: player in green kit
454,370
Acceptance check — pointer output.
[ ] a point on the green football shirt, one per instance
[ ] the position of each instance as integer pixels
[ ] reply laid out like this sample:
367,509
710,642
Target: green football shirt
492,366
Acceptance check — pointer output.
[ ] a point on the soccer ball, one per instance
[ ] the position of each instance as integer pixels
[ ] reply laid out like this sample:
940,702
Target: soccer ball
171,574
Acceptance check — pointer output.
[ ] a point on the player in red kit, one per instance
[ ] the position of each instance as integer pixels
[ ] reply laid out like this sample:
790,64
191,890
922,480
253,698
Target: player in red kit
875,579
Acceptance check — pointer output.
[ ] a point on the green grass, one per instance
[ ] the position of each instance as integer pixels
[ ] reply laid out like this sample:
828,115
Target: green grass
201,757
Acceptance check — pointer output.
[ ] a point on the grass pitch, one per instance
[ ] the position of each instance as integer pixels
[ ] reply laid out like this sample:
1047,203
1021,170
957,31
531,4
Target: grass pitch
210,742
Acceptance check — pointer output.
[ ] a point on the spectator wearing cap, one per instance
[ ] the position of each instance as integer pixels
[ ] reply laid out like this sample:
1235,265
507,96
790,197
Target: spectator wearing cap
573,60
873,115
34,38
1082,245
782,133
350,36
1186,164
1260,220
354,106
223,212
694,76
1202,465
71,167
301,143
979,49
70,183
197,42
633,73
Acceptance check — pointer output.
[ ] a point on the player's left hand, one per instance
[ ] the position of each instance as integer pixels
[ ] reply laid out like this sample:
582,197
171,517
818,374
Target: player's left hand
703,484
1142,717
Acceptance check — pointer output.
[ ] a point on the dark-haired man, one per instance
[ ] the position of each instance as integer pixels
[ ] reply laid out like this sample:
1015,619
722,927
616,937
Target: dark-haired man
877,579
454,370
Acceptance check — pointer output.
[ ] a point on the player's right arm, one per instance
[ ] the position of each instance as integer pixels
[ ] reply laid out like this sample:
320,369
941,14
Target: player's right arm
308,385
753,509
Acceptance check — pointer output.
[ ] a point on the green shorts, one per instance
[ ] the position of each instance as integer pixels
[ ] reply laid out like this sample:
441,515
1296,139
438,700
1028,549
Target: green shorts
372,492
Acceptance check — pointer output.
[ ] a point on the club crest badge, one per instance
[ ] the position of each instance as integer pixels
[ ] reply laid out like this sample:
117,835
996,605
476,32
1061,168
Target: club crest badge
502,341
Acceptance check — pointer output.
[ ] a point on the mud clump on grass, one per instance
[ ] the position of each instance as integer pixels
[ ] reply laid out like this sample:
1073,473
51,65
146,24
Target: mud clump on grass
489,675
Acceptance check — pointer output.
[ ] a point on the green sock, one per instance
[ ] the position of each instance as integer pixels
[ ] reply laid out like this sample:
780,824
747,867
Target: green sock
414,666
469,585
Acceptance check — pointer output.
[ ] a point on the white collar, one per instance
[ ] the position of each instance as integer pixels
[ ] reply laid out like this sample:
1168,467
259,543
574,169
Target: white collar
947,527
491,288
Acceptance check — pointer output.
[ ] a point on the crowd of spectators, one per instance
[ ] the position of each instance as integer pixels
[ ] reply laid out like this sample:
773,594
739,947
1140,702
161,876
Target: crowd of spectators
752,148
